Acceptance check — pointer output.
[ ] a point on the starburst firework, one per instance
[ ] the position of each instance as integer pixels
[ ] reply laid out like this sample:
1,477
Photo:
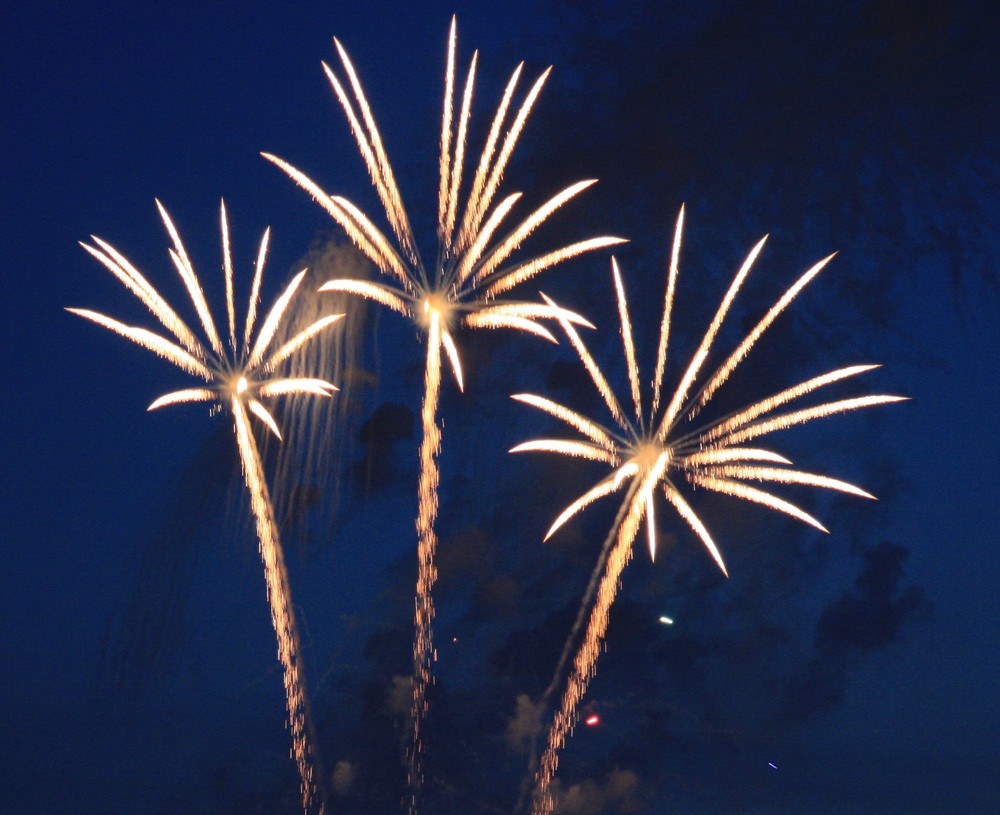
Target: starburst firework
655,452
236,378
469,275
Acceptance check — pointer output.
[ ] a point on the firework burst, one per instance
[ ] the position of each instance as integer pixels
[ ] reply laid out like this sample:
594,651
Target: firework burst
238,374
472,270
653,452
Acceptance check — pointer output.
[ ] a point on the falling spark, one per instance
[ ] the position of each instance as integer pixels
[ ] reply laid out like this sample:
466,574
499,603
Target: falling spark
236,378
593,720
772,766
666,620
655,454
469,275
304,466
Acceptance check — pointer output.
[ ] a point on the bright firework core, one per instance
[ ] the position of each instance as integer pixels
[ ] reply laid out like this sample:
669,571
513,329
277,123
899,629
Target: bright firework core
647,455
439,305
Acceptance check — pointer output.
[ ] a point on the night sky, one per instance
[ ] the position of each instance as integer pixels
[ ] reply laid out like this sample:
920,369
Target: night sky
854,673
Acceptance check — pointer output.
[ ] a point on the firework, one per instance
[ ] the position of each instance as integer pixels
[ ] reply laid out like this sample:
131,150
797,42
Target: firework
237,374
472,270
653,452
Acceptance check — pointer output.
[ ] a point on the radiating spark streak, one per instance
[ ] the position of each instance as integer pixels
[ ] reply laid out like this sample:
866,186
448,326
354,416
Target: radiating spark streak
627,470
462,286
127,274
533,311
148,340
506,279
578,449
479,320
728,454
691,518
699,358
299,340
599,491
596,375
237,380
459,161
456,363
648,454
577,421
258,277
471,257
507,149
668,306
630,363
467,232
382,171
270,324
372,291
444,170
757,409
286,387
387,262
651,478
391,260
183,263
261,412
650,524
526,227
788,477
721,375
806,415
748,493
227,270
186,395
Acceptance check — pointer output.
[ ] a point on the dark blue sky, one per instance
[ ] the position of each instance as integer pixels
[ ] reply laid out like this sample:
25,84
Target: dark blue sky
872,132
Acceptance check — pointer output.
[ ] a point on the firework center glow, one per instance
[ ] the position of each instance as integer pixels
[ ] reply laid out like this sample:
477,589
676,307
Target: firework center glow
648,456
436,304
242,385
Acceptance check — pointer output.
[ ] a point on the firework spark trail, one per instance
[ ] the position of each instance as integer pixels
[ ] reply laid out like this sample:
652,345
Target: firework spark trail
423,643
645,454
461,291
304,478
571,639
279,595
237,379
585,662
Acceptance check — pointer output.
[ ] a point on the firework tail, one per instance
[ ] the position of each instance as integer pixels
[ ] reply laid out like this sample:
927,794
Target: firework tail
581,615
282,616
423,644
585,663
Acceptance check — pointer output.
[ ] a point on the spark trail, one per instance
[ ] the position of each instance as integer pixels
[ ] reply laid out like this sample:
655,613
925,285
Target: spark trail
472,270
654,454
237,378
